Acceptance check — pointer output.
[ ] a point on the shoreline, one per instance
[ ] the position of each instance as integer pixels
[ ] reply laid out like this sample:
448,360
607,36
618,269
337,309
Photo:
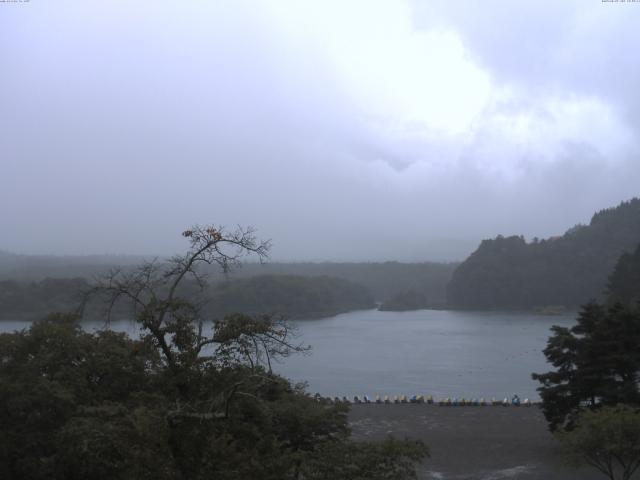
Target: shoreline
471,443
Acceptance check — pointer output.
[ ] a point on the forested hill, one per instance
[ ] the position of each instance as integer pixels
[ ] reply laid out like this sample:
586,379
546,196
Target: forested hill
510,273
383,279
624,282
293,296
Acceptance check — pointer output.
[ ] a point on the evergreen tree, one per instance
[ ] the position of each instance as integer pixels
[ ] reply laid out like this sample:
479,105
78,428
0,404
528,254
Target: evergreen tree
624,282
597,362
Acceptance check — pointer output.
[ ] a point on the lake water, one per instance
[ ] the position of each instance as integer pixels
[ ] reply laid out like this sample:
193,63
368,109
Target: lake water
441,353
428,352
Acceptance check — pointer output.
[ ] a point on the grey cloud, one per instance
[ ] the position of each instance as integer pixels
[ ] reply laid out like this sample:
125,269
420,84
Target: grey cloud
548,46
124,124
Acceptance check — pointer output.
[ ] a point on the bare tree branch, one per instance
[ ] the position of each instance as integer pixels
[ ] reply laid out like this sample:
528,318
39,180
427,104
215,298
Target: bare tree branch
152,289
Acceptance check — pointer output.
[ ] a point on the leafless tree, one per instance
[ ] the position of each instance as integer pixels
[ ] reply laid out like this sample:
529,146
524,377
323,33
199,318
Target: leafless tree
153,289
256,340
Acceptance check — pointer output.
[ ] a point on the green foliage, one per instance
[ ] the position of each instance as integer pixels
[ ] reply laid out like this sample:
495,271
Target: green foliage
597,362
382,279
299,289
31,300
607,439
79,405
407,300
570,270
624,282
290,295
54,379
254,340
179,403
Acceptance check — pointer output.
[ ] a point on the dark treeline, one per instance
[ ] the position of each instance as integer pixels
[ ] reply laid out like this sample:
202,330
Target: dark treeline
510,273
590,398
503,273
407,300
21,300
184,400
291,296
384,279
31,286
624,282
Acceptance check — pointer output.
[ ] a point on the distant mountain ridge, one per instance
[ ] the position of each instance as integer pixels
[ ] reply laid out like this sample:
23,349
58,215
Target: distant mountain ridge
510,273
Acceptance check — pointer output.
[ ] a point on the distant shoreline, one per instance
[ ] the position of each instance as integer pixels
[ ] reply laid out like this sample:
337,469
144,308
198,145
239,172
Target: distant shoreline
569,311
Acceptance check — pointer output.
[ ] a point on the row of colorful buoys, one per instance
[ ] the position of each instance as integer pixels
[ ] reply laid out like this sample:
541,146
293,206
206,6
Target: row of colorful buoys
446,402
481,402
462,402
378,399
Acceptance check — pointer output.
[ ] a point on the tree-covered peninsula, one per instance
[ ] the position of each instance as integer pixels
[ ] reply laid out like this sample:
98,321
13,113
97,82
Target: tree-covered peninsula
569,270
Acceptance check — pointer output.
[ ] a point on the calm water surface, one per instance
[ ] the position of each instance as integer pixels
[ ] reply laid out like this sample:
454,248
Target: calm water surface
442,353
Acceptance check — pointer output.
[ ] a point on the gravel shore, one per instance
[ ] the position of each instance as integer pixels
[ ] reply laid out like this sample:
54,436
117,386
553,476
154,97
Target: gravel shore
479,443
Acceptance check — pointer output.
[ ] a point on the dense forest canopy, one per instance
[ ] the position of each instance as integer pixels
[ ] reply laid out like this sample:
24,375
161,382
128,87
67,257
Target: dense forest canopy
590,398
407,300
508,272
383,279
31,286
291,295
80,405
185,400
624,282
32,300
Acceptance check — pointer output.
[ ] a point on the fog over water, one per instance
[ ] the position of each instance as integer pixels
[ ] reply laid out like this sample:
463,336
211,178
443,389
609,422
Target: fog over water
360,130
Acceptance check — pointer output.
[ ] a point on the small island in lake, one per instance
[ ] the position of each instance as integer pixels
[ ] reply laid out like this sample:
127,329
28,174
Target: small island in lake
405,301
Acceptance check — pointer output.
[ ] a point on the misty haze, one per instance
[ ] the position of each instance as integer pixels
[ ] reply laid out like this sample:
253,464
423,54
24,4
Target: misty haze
319,240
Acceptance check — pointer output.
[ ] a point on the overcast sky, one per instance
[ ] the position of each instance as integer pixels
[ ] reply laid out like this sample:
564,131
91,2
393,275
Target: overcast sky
342,130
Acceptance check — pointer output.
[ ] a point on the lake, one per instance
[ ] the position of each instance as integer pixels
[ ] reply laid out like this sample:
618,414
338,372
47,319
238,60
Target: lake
441,353
428,352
